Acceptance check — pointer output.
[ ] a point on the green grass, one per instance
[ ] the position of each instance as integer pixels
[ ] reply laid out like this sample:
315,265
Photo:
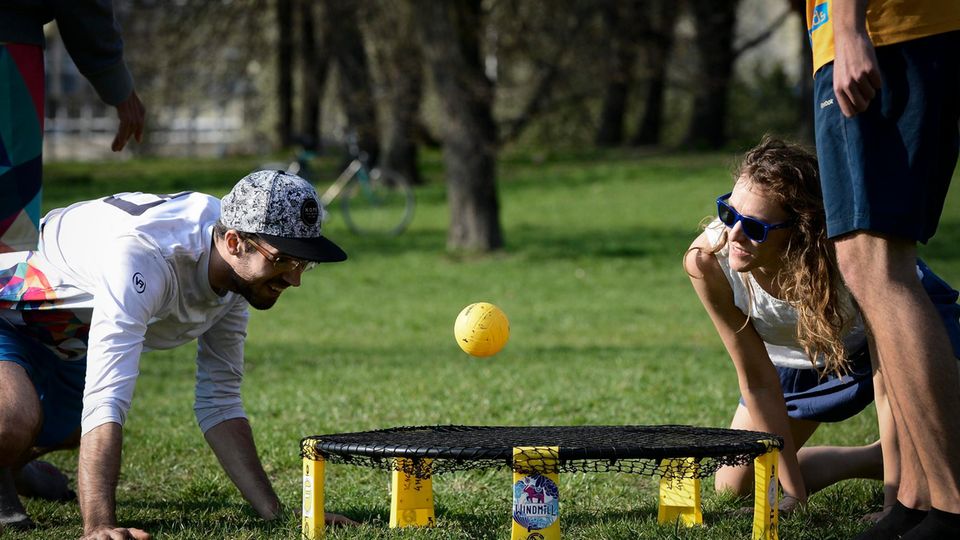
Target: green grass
605,330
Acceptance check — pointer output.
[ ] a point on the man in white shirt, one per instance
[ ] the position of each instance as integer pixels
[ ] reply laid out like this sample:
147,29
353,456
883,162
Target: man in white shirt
132,272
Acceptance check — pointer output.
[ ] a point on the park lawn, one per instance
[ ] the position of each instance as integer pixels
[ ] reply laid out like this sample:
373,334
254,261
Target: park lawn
605,330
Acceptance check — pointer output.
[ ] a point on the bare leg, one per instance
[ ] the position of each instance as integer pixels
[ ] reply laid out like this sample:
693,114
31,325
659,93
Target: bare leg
20,417
888,435
919,368
740,480
824,466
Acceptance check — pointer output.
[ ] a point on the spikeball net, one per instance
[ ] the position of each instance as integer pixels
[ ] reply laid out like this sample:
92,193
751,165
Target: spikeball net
644,450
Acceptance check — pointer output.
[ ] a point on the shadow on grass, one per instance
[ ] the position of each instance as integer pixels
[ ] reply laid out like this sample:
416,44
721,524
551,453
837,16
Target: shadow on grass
203,515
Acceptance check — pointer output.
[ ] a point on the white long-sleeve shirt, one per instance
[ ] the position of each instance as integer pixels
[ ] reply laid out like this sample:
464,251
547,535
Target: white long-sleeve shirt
122,275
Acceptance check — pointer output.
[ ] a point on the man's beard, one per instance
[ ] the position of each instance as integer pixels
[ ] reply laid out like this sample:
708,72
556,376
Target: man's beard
245,289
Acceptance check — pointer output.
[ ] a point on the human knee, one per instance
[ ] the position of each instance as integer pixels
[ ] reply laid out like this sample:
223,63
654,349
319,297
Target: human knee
872,266
16,438
734,480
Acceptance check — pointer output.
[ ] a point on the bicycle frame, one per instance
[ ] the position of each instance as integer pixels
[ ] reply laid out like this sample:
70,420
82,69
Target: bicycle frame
341,182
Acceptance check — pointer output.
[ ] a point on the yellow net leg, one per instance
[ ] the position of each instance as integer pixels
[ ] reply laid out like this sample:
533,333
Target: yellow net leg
536,497
411,499
679,495
312,519
765,496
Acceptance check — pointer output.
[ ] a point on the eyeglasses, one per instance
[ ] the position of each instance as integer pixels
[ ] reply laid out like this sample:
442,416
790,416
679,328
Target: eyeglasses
755,229
283,263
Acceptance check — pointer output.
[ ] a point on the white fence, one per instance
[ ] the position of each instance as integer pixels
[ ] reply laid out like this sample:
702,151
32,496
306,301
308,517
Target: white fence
89,135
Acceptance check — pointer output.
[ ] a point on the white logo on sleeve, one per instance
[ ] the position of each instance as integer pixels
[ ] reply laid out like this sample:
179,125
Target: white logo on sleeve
139,283
826,103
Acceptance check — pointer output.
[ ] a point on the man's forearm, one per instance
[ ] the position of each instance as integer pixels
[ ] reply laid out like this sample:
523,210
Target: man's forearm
232,442
849,18
98,473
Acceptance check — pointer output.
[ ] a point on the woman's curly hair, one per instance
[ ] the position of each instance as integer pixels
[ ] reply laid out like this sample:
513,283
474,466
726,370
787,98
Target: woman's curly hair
809,279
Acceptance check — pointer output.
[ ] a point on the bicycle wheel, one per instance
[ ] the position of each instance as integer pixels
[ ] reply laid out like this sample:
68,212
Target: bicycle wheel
380,202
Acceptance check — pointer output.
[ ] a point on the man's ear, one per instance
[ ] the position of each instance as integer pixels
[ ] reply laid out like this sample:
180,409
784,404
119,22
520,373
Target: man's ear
233,242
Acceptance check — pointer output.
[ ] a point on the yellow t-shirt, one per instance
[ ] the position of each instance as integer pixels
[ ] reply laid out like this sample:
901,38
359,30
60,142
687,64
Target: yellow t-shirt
888,22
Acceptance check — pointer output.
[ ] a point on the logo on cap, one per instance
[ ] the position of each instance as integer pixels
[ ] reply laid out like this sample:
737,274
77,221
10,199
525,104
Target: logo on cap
309,211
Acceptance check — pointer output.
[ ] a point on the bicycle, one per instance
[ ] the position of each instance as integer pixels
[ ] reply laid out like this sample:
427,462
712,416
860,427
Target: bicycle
374,201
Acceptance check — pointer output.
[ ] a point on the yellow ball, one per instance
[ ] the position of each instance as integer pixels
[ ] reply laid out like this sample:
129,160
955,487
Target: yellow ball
482,329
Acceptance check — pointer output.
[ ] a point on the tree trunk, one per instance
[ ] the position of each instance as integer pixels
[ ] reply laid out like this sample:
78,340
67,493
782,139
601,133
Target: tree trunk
285,72
355,89
805,129
314,75
450,35
715,22
619,24
656,50
401,66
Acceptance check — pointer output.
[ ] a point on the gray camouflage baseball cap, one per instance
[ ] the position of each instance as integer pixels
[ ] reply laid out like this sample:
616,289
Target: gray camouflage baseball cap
284,210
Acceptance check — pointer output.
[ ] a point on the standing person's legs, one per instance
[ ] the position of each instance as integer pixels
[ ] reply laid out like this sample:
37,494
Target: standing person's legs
899,453
885,174
920,373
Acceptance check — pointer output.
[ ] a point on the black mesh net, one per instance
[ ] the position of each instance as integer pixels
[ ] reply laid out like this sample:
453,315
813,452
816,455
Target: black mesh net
672,451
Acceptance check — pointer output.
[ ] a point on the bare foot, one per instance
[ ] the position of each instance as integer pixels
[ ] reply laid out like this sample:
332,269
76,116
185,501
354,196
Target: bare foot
42,480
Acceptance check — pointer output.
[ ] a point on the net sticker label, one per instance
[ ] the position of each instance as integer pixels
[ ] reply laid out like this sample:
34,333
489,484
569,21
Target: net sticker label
307,496
536,502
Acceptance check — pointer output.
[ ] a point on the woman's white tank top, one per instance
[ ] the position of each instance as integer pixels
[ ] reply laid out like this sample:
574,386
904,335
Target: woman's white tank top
774,319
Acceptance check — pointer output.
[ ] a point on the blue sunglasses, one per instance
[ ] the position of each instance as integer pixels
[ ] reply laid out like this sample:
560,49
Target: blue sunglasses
755,229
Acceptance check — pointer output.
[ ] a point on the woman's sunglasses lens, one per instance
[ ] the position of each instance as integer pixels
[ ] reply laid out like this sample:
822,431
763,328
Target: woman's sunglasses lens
726,215
753,229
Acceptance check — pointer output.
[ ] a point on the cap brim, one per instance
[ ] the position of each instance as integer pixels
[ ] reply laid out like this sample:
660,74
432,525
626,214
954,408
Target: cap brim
317,249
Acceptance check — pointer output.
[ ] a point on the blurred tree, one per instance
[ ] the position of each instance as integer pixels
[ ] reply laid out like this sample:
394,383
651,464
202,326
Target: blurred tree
715,24
805,103
635,29
284,23
544,58
450,34
392,31
315,61
621,22
355,85
656,29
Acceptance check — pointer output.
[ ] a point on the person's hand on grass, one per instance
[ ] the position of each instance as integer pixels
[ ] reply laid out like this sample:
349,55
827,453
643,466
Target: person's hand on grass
876,516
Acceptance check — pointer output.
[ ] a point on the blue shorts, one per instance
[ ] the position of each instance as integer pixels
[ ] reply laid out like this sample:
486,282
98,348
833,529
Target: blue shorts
830,398
59,383
888,168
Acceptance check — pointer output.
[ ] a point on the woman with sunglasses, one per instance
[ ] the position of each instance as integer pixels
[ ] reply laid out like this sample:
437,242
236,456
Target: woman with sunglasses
767,276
